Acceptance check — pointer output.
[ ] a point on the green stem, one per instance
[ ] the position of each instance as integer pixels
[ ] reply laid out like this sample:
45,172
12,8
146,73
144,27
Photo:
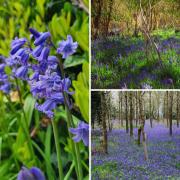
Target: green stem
24,123
58,150
74,145
76,153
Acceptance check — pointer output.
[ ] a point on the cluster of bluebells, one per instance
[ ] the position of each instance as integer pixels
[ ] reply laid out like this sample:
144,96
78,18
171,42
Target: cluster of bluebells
42,72
163,152
33,173
4,79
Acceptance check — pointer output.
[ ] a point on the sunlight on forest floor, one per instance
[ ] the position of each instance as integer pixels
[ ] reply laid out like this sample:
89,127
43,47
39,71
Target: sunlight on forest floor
125,159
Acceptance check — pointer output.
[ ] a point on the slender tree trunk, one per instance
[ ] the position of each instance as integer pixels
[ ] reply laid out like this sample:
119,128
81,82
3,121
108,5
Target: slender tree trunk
131,113
141,128
177,112
137,112
150,115
104,116
121,110
126,112
170,112
167,108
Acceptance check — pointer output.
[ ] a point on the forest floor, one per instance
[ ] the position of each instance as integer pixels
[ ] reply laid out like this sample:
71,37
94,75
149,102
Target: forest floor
125,159
123,63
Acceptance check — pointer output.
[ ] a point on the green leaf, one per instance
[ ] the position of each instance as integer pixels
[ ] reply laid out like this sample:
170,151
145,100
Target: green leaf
40,7
73,61
29,107
81,95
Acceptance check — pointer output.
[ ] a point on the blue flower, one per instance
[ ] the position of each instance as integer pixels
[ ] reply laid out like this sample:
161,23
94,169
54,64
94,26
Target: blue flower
43,43
42,38
33,173
81,133
146,86
35,33
21,72
44,54
50,104
68,47
4,81
17,44
6,87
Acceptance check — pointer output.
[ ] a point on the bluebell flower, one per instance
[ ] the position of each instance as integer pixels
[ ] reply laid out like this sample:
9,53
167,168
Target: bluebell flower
4,80
33,173
37,51
6,87
21,72
67,48
44,54
81,133
146,86
42,43
50,104
17,44
35,33
42,38
19,57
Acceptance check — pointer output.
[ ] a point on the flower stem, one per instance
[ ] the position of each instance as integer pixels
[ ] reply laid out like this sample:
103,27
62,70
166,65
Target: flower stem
24,124
58,150
70,123
74,145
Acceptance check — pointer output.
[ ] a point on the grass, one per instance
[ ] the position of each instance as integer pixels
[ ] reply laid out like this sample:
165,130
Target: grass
123,63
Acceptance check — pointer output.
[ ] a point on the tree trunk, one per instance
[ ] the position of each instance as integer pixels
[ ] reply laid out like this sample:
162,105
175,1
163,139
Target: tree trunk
177,112
126,111
170,112
141,128
104,116
121,110
167,108
131,113
150,115
137,112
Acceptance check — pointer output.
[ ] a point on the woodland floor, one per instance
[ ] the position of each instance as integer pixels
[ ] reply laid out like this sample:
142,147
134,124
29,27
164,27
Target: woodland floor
123,63
125,159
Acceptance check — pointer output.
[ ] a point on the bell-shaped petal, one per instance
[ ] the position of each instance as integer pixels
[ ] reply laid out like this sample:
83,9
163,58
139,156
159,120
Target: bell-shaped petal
44,54
37,51
35,33
42,38
81,133
21,72
67,48
37,173
25,174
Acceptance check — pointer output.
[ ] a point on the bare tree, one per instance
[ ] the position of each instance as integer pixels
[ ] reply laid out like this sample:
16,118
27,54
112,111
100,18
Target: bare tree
126,111
167,108
177,111
131,112
170,112
103,118
150,112
142,123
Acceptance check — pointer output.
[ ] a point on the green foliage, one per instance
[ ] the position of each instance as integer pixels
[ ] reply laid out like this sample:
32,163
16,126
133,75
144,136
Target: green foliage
60,18
81,95
134,68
